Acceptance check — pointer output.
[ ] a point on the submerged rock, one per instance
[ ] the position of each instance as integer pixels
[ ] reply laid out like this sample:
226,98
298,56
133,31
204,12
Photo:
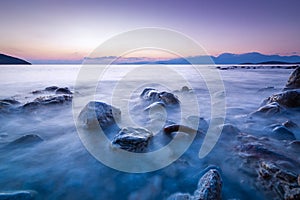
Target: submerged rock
282,133
288,99
290,124
132,139
7,105
18,195
152,95
283,183
294,80
97,113
29,139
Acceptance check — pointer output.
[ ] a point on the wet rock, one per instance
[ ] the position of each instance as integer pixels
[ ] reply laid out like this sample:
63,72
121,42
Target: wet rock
283,183
254,151
179,128
18,195
132,139
47,100
230,130
185,89
269,109
209,186
294,80
290,124
64,90
97,113
152,95
288,99
282,133
7,105
51,88
29,139
295,145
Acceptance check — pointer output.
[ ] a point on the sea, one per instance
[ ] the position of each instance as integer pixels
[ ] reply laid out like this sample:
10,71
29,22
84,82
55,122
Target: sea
63,166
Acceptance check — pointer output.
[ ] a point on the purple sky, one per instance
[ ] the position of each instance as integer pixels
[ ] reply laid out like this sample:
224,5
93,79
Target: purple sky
70,30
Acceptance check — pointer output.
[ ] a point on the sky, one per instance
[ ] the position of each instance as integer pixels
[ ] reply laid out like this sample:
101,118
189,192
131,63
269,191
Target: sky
49,31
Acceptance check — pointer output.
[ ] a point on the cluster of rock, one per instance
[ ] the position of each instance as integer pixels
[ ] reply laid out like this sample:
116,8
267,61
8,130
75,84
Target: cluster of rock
262,153
287,99
134,139
52,95
284,183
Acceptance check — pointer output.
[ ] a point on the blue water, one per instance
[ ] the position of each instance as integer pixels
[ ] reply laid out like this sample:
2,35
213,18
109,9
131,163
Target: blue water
60,167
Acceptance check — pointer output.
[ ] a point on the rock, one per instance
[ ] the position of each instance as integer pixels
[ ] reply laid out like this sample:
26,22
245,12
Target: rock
290,124
294,80
180,196
152,95
283,183
97,113
64,90
179,128
47,100
185,89
282,133
168,98
51,88
132,139
18,195
7,105
295,145
209,186
29,139
270,109
155,106
288,99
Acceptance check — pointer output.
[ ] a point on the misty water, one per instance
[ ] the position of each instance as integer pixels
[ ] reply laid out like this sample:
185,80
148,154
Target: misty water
60,167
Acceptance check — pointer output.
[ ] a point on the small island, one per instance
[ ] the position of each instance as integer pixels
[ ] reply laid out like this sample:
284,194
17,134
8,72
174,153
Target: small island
9,60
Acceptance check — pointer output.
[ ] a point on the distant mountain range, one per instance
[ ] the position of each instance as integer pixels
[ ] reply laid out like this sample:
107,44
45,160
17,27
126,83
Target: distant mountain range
9,60
229,58
225,58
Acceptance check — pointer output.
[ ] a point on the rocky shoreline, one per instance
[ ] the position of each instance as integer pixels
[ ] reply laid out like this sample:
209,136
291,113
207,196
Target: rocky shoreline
272,161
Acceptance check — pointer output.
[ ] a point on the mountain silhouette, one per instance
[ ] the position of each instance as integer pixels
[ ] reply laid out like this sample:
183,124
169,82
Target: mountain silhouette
9,60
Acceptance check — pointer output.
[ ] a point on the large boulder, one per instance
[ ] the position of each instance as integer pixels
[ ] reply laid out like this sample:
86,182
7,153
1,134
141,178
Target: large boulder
209,188
294,80
132,139
97,113
288,99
